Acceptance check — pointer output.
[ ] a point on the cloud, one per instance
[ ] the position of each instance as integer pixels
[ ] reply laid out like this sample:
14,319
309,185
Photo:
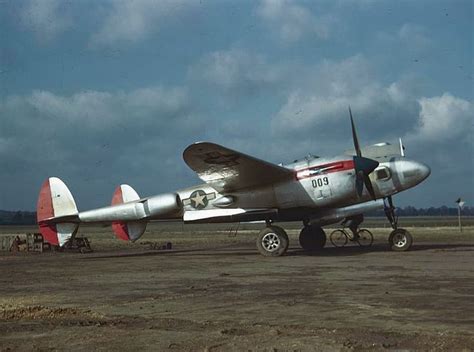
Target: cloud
414,36
315,112
324,93
409,39
46,18
444,117
95,140
293,21
236,69
444,138
96,109
132,21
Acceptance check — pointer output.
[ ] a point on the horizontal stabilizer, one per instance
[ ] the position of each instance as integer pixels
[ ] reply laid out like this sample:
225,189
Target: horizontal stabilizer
57,213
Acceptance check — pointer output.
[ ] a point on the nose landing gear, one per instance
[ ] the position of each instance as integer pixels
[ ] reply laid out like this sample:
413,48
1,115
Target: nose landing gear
399,239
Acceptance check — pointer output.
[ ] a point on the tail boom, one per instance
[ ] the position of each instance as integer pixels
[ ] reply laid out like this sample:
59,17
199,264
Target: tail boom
59,219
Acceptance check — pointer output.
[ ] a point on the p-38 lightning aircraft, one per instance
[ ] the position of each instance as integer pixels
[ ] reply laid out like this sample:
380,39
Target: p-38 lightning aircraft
240,188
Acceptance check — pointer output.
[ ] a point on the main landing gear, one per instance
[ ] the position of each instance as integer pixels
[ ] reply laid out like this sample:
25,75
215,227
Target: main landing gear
312,238
273,241
399,239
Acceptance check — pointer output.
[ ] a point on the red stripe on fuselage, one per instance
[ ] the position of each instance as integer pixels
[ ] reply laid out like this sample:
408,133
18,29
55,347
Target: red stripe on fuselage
329,168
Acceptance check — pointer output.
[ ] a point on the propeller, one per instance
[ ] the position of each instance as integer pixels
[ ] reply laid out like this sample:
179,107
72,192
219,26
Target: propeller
363,166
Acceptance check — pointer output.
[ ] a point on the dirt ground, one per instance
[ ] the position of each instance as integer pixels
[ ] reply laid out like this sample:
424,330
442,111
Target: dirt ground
214,292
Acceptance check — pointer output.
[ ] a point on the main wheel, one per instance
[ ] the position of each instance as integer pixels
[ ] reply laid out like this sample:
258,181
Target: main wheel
338,238
312,238
272,241
365,238
400,240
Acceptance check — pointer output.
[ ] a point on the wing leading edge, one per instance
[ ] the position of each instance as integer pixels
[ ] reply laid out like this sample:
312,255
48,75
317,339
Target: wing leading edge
228,170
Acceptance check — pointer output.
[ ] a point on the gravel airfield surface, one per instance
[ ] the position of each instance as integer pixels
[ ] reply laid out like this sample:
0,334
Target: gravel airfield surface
214,292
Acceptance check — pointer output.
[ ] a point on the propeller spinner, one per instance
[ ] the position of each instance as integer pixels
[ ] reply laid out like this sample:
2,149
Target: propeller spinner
363,166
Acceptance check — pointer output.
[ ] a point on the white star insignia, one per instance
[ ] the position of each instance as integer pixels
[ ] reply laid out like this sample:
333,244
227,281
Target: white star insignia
198,199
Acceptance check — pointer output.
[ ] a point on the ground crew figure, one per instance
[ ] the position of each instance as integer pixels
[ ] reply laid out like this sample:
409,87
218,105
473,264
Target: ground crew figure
353,223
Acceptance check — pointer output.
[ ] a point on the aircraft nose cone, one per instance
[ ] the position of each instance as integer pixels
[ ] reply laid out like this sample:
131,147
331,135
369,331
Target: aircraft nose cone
424,171
414,172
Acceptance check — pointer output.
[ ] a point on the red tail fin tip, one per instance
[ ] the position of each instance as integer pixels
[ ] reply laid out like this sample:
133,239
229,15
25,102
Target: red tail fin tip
55,201
130,230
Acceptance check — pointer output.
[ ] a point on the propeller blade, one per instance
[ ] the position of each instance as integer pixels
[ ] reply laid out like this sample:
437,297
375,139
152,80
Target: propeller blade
370,188
363,168
360,183
354,135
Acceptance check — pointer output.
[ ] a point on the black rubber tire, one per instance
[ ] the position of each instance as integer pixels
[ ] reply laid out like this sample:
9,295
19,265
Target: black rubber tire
338,238
400,240
365,238
272,241
312,238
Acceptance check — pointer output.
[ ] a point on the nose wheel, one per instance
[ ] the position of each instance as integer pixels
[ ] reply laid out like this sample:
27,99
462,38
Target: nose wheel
399,239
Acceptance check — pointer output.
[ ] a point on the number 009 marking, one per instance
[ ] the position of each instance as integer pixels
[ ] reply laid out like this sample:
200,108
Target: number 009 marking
319,182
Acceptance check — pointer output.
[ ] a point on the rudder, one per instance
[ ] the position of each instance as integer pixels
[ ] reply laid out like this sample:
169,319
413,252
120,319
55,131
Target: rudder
56,212
127,230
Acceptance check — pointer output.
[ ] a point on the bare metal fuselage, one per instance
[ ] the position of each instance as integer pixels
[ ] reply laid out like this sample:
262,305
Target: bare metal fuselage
320,188
310,194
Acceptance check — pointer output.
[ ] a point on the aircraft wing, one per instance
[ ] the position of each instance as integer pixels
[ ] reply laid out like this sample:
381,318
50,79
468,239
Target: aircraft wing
228,170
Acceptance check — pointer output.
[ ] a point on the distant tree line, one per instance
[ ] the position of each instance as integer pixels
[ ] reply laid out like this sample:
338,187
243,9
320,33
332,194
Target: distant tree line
431,211
17,217
29,217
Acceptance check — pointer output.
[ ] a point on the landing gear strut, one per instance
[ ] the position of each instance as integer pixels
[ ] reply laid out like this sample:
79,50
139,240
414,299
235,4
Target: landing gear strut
312,238
399,239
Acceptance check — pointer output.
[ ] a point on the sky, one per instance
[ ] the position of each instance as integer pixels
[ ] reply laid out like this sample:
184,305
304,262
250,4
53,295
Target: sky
101,93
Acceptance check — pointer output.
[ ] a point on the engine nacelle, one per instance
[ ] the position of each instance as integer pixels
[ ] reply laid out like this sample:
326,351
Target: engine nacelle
162,206
133,209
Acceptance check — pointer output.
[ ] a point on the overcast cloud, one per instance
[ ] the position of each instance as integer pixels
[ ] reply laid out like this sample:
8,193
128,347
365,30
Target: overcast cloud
102,93
46,19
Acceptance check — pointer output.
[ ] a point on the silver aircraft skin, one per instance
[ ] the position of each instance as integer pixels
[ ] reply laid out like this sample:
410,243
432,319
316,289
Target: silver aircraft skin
238,188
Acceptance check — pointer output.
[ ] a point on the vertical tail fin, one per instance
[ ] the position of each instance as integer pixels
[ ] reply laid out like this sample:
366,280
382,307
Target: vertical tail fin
56,212
127,230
